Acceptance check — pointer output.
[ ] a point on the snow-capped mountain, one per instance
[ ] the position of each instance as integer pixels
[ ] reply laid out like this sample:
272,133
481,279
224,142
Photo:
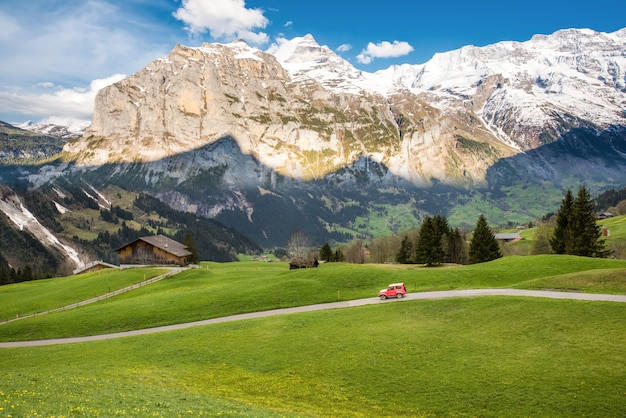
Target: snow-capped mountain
579,73
61,129
305,59
302,99
235,133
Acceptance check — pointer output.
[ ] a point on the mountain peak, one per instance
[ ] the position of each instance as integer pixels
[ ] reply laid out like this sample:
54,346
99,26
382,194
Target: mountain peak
300,50
299,99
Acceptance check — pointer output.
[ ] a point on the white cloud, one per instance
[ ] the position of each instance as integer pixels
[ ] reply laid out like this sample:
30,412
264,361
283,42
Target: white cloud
76,41
50,46
71,104
384,50
224,19
344,48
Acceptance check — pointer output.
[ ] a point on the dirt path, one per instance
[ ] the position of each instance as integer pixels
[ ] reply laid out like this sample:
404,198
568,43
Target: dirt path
334,305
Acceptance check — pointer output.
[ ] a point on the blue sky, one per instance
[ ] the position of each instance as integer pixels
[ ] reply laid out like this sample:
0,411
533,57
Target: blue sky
56,54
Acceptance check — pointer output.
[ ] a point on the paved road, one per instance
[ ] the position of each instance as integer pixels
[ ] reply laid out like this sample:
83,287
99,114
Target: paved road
322,306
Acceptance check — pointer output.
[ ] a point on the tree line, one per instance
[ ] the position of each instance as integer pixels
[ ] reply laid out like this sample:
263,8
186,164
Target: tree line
572,230
434,243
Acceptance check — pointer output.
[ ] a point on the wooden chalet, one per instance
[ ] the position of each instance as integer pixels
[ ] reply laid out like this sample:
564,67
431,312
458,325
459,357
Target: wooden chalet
154,250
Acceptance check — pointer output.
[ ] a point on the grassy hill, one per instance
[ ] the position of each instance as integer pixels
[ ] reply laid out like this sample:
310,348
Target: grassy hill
616,227
487,356
615,241
220,289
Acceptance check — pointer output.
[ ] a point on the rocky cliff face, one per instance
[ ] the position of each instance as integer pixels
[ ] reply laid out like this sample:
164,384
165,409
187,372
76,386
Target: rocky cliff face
229,131
300,126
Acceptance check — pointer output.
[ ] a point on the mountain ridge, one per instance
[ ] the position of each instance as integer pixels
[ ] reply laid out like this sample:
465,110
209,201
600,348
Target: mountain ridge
300,139
301,69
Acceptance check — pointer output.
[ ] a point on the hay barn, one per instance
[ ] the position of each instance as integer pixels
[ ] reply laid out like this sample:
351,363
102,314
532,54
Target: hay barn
155,250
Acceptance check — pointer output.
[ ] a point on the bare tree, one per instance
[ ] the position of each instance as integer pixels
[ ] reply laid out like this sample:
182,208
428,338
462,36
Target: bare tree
541,241
384,249
355,253
298,246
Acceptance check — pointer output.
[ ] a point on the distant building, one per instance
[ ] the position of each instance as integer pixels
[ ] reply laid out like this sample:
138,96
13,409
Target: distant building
154,250
604,215
508,237
303,264
95,266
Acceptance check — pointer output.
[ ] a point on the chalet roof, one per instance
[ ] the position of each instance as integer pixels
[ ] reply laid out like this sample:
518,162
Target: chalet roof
164,243
93,264
605,215
508,237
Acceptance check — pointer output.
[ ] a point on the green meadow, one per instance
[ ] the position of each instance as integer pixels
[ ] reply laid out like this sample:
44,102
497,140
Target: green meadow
32,297
484,356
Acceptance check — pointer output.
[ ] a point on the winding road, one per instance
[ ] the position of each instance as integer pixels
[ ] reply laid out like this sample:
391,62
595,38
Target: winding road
322,306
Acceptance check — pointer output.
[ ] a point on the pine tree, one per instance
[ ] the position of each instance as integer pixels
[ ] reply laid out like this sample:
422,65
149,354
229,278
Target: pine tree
561,235
338,256
484,246
191,247
429,248
576,231
404,253
457,251
326,254
585,232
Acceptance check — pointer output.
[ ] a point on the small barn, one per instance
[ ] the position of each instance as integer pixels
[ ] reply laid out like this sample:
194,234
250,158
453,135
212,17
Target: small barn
604,215
94,266
154,250
508,237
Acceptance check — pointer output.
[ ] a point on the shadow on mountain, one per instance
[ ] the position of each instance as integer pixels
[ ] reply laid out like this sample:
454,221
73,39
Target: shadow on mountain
219,181
363,200
580,156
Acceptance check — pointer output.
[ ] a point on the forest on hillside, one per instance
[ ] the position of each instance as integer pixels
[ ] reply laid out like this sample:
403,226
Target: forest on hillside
97,232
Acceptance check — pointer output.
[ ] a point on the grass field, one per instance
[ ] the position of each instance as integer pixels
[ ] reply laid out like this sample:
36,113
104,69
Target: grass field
487,356
26,298
220,289
616,226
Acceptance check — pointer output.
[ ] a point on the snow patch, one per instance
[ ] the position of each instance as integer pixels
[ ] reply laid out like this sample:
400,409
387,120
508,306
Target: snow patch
14,209
61,209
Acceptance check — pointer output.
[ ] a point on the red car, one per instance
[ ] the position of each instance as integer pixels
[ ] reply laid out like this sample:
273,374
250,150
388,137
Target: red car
395,290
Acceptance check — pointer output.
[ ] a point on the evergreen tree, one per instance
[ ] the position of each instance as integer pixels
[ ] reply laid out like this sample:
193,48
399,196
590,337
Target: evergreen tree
404,253
561,235
326,254
484,246
585,232
338,256
27,274
4,274
576,231
429,248
191,247
457,251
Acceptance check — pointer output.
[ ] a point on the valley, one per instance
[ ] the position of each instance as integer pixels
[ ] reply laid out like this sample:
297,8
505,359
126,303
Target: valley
268,142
